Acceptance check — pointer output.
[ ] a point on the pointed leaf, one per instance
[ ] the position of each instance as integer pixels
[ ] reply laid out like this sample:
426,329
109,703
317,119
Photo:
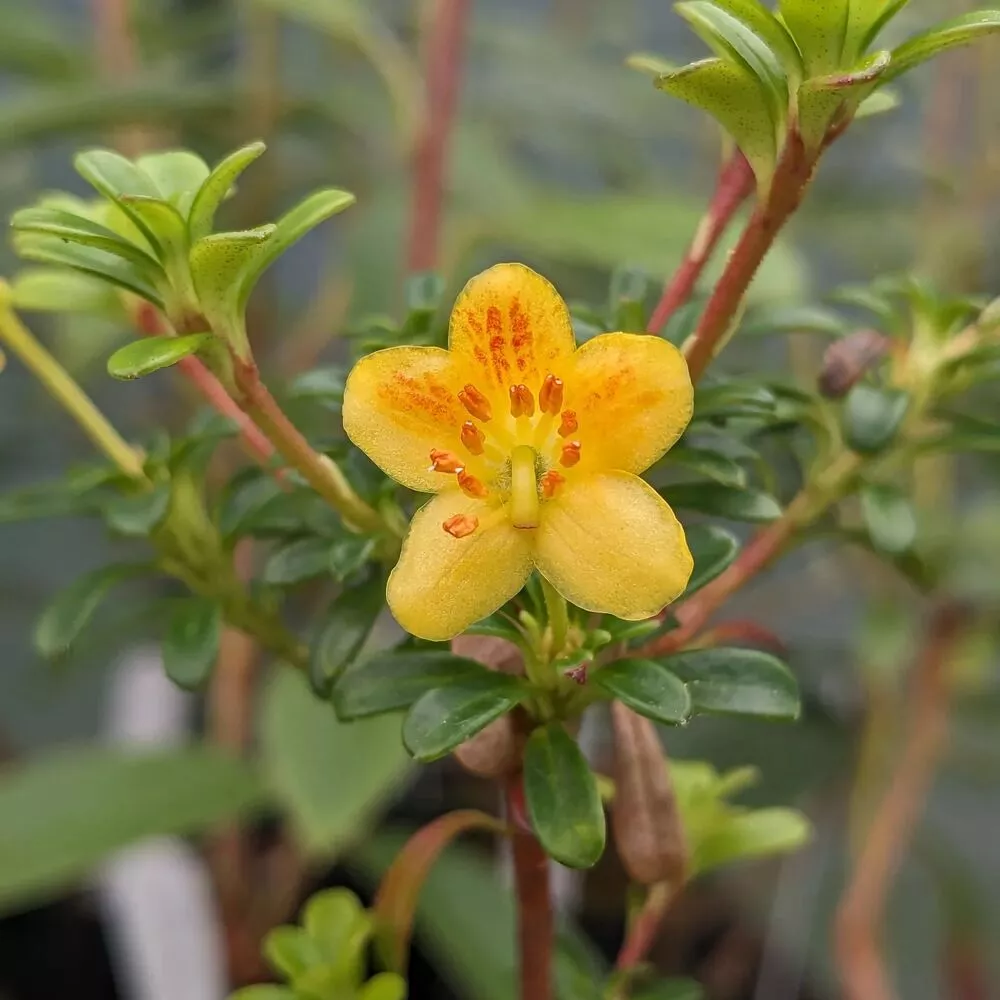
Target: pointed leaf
820,30
737,682
889,517
947,35
394,680
723,501
872,417
114,177
216,188
136,516
713,549
647,687
301,559
734,97
446,717
708,463
562,798
177,173
143,357
290,228
889,9
753,834
865,19
346,626
191,645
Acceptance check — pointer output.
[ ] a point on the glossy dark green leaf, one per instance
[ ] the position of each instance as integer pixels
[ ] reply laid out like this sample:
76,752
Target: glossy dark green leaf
191,644
143,357
245,502
498,625
709,463
136,515
349,555
872,416
713,550
298,560
446,717
216,188
723,501
346,626
326,384
562,798
889,517
733,399
290,228
73,608
946,35
735,681
647,687
394,680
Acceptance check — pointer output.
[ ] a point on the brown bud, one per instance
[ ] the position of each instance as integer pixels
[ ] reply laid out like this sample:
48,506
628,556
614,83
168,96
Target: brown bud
495,751
645,816
846,361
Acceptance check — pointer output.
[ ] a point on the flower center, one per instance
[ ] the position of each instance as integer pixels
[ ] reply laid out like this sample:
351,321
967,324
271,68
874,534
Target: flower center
515,457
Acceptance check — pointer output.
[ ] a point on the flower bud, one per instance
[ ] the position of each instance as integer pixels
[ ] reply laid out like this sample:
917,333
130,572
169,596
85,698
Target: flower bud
846,361
645,816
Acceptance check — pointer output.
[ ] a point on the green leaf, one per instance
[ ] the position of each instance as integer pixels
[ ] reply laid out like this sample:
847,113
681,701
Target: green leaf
562,798
339,924
298,560
143,357
265,991
177,173
394,680
733,399
137,514
498,625
737,682
290,228
648,688
45,289
754,834
446,717
650,63
889,517
165,225
671,989
711,464
62,814
349,555
71,611
783,318
713,550
125,274
733,40
735,98
116,177
384,986
216,188
819,29
191,645
346,626
770,31
946,35
872,417
291,951
889,9
723,501
333,777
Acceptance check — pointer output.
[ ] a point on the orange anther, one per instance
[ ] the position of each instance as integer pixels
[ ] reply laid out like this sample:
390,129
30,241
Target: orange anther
471,486
461,525
569,424
475,402
570,454
522,403
445,461
550,482
550,397
473,438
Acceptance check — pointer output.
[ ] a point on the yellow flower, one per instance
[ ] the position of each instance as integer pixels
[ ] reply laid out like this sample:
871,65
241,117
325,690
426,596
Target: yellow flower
533,448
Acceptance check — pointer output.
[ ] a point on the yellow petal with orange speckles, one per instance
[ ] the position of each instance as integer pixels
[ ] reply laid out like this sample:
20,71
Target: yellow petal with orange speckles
443,584
399,405
632,396
609,543
510,326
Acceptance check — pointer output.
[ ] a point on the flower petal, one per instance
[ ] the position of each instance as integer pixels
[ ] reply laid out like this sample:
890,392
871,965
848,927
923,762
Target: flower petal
633,397
509,326
441,584
609,543
399,404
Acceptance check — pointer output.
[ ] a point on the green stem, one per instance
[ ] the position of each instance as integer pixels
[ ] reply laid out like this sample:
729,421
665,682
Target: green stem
558,614
65,391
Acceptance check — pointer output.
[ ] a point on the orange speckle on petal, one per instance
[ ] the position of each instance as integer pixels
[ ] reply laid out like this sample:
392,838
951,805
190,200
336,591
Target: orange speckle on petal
569,425
475,402
445,461
473,438
471,486
570,454
550,482
522,403
461,525
550,397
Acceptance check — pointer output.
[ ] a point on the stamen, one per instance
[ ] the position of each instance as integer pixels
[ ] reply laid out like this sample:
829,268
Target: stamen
569,424
461,525
550,397
473,438
570,454
471,486
523,488
550,482
445,461
475,402
522,403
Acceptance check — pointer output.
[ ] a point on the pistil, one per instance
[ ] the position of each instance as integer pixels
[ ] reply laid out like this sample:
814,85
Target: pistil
523,488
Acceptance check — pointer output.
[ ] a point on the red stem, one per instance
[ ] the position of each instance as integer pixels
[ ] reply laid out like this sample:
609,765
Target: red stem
735,185
443,75
642,934
791,177
535,921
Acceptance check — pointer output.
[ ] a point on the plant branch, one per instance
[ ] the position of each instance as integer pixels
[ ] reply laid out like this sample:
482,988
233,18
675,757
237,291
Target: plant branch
861,909
643,929
734,186
535,920
443,69
791,178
